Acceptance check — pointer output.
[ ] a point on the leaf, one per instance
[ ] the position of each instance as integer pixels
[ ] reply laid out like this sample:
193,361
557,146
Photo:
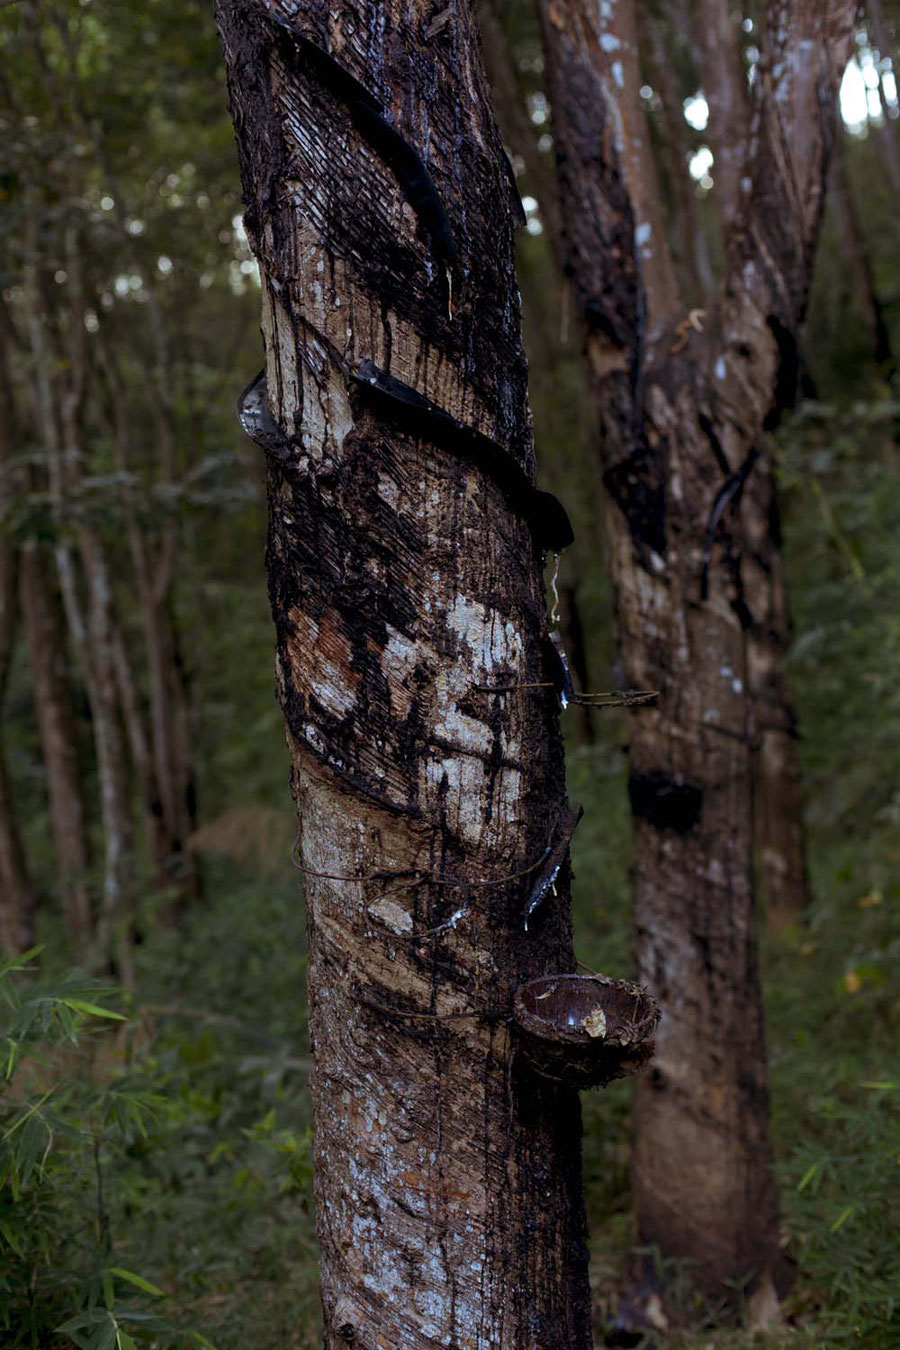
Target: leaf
809,1175
105,1337
201,1340
889,1085
842,1218
92,1009
137,1280
8,1236
124,1341
13,963
88,1318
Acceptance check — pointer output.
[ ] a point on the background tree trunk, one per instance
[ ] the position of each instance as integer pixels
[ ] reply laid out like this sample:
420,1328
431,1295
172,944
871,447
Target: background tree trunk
16,892
681,411
35,600
45,644
447,1181
59,391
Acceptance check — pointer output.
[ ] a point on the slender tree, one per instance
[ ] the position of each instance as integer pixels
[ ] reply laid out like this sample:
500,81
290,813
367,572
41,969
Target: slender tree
404,570
16,892
683,400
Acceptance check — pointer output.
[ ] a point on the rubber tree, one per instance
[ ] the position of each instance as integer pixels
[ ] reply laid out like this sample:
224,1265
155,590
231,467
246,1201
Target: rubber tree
405,551
683,401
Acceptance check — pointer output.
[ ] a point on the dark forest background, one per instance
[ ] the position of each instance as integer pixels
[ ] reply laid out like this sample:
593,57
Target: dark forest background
154,1150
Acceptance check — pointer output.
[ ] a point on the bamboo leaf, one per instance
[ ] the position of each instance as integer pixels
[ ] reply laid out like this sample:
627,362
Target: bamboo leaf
842,1218
137,1280
92,1009
809,1175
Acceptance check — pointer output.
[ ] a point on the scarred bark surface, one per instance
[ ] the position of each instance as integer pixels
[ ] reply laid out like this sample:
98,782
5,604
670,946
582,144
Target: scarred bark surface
447,1179
681,411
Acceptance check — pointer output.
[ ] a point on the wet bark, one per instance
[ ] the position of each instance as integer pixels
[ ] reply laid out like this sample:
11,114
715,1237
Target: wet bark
448,1186
681,412
779,833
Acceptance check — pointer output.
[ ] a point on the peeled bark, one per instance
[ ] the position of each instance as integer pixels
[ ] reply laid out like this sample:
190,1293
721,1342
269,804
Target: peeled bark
448,1188
681,411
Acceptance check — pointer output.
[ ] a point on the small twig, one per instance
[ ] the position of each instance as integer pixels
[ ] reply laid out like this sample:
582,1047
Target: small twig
416,874
565,689
617,698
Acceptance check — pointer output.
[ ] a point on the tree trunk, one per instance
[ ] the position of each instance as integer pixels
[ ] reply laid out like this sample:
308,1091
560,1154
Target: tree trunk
681,412
16,892
691,250
163,757
56,724
717,27
447,1177
56,730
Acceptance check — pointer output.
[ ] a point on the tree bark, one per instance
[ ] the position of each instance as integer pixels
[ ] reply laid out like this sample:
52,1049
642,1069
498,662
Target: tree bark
448,1185
717,28
681,412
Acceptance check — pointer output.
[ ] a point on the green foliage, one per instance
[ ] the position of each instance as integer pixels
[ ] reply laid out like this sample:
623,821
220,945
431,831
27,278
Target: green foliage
166,1151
